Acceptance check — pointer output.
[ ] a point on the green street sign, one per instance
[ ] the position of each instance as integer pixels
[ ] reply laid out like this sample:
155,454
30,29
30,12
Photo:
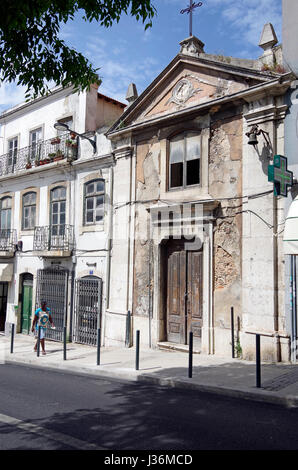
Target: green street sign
280,176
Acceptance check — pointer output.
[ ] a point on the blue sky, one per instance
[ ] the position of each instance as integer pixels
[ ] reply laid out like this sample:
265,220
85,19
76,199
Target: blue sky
126,53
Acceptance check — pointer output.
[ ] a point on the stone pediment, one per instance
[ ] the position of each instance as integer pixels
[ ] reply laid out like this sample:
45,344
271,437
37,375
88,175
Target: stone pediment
187,82
189,88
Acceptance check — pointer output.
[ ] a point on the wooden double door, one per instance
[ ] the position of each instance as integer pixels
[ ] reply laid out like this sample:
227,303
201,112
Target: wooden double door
184,293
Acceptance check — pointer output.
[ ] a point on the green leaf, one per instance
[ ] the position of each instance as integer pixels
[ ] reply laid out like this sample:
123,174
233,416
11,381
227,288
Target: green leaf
31,51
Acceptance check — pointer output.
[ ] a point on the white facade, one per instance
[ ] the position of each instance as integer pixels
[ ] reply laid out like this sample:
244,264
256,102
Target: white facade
66,225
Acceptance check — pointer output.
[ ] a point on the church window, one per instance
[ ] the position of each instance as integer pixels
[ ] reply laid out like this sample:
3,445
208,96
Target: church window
184,160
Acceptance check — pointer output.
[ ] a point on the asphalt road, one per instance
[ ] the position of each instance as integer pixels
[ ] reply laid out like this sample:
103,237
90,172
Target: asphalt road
41,409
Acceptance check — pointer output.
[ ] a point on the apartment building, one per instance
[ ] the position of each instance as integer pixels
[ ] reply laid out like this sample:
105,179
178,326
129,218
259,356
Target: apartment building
56,171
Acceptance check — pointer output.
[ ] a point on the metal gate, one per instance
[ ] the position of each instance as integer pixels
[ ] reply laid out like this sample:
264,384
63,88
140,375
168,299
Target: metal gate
87,310
52,288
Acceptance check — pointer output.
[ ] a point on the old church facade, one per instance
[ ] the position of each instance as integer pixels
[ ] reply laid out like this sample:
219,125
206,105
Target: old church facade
195,221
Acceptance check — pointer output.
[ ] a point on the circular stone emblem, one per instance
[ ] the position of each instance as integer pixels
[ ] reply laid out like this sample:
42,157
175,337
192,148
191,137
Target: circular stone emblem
182,91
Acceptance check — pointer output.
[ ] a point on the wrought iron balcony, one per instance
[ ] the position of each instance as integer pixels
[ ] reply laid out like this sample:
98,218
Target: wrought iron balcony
8,240
54,238
41,153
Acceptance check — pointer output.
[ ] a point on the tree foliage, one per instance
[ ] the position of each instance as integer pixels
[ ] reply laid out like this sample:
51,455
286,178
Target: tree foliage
31,52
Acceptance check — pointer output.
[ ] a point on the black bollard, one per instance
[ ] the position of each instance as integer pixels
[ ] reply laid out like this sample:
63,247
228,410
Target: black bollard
137,349
12,338
232,332
98,346
190,352
64,343
258,361
38,341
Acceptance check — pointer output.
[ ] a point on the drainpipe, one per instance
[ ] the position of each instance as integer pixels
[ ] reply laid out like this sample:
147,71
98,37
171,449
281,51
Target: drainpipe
295,307
130,254
131,234
149,292
211,291
275,258
293,287
108,253
275,281
110,236
70,177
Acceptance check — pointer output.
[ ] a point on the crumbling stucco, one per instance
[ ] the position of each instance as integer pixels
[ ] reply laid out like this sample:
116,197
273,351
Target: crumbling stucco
148,190
226,242
225,269
225,181
225,178
148,180
225,184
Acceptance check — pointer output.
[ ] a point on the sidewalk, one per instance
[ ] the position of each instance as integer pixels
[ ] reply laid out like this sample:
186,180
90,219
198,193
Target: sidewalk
227,376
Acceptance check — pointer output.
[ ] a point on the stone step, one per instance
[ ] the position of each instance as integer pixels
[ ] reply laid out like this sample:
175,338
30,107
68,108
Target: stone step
166,345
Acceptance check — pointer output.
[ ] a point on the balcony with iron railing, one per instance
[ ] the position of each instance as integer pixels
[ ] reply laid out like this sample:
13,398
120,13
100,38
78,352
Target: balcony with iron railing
40,153
54,240
8,240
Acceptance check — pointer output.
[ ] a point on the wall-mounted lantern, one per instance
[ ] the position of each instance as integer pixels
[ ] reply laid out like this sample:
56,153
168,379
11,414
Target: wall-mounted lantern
60,126
254,132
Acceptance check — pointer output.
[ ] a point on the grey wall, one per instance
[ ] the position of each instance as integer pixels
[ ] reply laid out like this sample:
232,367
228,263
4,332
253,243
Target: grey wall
290,57
290,34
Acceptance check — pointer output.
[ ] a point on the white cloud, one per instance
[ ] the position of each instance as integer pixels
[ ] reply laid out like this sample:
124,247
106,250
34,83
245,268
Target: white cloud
118,68
11,95
249,17
117,75
246,18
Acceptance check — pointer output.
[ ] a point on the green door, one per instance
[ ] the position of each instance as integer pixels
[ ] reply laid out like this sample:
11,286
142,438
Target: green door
3,304
27,306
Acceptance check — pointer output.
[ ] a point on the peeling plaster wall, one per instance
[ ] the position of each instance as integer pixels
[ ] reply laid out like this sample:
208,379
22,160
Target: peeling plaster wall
236,265
147,190
225,170
225,181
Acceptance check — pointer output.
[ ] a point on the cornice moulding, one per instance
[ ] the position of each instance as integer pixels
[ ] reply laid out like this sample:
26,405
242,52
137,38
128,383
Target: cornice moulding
274,88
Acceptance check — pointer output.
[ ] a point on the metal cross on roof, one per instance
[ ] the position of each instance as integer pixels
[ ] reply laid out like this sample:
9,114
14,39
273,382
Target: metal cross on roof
189,11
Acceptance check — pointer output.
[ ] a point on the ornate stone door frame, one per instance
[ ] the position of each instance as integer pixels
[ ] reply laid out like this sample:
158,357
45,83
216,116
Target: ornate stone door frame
160,234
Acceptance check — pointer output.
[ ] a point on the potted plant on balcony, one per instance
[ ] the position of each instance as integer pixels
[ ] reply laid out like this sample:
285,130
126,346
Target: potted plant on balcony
28,164
45,161
58,156
70,143
55,140
51,156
